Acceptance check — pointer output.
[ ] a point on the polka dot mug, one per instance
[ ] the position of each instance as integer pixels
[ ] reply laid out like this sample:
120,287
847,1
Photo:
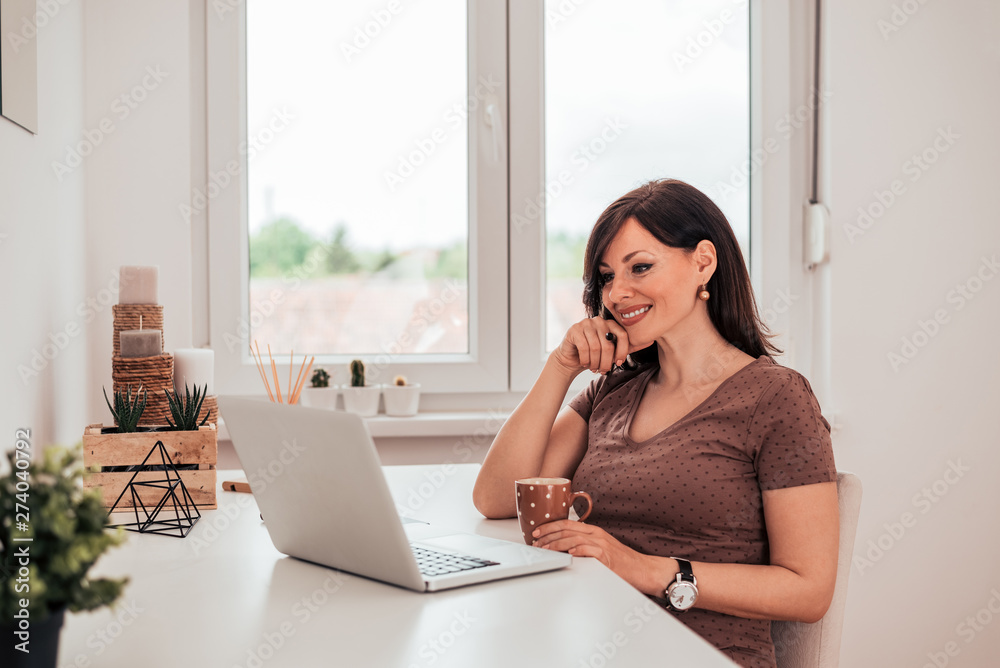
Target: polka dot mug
541,500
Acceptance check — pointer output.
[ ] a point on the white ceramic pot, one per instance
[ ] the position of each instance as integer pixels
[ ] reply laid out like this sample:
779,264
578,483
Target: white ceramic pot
361,400
319,397
401,400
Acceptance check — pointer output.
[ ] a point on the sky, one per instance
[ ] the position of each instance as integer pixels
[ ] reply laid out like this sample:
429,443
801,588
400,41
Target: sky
378,139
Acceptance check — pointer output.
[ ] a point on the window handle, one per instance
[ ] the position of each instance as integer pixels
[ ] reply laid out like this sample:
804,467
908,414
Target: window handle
495,123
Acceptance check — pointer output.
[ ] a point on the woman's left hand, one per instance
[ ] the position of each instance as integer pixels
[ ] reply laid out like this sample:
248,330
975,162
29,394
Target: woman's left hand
586,540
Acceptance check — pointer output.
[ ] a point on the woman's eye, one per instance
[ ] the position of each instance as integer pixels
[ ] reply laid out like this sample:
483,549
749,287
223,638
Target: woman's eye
606,278
640,268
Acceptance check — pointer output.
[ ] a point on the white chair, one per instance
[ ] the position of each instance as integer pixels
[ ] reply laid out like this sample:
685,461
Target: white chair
800,645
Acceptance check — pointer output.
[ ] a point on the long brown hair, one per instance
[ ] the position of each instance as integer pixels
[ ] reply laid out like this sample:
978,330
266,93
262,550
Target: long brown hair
679,215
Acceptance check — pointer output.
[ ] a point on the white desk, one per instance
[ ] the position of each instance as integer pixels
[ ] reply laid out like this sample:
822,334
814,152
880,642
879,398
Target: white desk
223,596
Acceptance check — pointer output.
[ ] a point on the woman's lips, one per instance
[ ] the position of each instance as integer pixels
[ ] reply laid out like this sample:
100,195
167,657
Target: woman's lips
628,322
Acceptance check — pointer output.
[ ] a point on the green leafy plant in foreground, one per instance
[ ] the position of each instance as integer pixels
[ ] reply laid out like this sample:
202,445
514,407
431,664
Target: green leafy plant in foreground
66,525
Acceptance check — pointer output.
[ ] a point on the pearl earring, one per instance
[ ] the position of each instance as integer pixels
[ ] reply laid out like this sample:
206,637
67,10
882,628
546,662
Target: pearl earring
703,293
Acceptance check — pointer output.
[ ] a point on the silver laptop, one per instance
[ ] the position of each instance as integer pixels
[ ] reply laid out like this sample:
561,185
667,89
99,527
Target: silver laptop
319,484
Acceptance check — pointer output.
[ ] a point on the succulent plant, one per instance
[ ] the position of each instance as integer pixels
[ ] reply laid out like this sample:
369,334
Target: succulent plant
127,410
185,411
320,378
357,373
399,381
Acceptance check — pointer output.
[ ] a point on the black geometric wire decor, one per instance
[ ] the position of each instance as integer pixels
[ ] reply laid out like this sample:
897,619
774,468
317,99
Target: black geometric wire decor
175,499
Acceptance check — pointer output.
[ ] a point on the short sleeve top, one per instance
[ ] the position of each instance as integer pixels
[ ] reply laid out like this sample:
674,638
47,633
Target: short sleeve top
694,489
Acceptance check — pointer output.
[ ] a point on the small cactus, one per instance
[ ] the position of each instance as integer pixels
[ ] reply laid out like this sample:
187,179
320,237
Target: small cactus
399,381
186,410
357,373
127,410
320,378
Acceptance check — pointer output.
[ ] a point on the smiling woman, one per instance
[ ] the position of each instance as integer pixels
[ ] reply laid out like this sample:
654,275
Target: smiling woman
710,466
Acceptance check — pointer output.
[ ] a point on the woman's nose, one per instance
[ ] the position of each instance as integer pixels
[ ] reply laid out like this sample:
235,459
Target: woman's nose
621,289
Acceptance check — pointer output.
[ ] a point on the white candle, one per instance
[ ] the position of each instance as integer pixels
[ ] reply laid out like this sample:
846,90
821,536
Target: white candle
138,285
196,367
140,342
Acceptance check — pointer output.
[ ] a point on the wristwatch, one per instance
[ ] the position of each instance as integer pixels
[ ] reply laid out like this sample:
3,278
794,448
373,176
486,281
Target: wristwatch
682,592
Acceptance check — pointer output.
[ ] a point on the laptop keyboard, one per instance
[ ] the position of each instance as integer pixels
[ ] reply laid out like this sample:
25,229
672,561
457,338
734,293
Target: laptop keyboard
432,562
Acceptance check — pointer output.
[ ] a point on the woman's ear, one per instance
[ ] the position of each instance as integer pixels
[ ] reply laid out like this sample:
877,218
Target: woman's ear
705,260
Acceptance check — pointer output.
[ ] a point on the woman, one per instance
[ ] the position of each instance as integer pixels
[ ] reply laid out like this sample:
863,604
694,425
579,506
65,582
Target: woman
710,466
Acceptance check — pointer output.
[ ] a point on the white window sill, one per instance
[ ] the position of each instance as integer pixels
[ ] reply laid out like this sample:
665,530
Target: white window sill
456,423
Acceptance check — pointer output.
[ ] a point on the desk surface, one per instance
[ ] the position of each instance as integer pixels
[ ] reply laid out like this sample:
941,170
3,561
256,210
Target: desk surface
223,596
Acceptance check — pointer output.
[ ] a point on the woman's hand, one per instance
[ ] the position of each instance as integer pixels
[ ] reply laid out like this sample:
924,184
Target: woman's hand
587,346
586,540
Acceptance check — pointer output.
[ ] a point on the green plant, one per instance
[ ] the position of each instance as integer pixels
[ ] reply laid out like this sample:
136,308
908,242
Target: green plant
126,410
185,411
320,378
357,373
64,525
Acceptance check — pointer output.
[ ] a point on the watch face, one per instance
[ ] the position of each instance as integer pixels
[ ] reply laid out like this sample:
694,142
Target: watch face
682,595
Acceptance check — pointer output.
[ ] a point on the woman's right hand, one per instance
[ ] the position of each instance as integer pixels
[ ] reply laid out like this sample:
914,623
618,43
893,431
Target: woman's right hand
586,346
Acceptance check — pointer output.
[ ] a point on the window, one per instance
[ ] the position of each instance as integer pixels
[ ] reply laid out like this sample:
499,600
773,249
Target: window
442,164
363,198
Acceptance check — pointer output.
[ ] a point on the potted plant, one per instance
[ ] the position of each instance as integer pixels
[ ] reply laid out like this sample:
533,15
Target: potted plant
51,534
320,394
401,398
359,397
191,444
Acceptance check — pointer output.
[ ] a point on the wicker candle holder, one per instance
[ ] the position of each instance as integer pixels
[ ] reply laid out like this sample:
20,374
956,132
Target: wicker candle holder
130,316
155,374
211,405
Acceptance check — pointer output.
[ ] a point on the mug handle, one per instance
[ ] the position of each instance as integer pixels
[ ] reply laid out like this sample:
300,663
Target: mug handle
590,503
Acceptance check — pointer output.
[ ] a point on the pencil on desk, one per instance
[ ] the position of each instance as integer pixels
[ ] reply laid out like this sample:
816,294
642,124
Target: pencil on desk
236,486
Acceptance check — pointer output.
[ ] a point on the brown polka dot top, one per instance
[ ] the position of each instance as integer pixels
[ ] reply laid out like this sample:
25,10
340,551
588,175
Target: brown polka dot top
694,490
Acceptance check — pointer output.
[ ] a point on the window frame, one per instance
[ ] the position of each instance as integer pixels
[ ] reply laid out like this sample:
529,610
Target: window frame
485,367
507,343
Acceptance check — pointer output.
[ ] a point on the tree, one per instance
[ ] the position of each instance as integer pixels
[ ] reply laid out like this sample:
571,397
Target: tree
278,248
340,258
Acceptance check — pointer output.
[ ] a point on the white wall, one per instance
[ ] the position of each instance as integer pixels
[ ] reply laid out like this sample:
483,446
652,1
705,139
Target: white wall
902,429
141,173
42,261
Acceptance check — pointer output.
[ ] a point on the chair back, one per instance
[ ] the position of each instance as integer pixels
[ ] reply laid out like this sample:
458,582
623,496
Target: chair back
800,645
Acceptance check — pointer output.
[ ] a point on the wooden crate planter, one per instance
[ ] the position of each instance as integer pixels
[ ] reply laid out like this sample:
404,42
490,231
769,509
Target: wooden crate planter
184,448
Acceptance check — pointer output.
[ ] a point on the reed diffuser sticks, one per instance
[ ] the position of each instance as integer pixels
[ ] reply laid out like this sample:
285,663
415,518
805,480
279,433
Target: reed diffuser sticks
294,391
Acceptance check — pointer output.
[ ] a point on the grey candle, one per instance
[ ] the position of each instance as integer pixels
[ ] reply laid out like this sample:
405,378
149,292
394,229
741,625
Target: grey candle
140,342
